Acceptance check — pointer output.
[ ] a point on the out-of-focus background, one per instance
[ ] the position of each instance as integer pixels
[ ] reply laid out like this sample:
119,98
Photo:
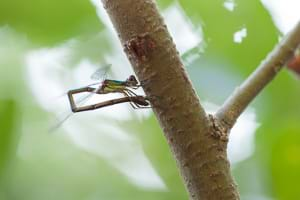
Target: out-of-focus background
116,153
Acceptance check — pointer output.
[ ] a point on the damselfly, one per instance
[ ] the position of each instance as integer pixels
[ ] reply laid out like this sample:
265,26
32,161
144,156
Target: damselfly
104,87
108,86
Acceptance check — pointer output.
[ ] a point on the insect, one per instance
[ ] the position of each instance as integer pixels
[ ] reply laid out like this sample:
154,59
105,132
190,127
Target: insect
110,86
105,87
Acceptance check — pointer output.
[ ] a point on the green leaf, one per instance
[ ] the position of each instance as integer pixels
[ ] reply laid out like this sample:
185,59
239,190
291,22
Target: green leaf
285,163
164,3
7,131
49,21
220,24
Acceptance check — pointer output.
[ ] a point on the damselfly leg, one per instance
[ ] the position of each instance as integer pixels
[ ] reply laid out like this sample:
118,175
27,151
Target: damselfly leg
129,93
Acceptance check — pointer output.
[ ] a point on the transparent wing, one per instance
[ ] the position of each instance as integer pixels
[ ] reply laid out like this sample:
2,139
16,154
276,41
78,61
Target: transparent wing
82,100
101,73
60,120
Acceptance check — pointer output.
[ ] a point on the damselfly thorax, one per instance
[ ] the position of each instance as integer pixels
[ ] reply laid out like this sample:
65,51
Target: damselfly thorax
111,86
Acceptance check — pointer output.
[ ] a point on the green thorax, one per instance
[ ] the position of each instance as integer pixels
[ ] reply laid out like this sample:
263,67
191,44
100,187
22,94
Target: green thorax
115,82
114,85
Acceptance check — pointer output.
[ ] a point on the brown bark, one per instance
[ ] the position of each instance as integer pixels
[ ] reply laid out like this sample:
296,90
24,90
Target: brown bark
196,140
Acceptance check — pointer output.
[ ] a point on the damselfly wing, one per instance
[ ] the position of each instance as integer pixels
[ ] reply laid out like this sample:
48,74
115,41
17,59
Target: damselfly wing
99,75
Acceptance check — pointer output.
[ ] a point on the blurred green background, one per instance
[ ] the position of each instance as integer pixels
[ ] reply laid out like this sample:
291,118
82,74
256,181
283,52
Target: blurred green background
117,153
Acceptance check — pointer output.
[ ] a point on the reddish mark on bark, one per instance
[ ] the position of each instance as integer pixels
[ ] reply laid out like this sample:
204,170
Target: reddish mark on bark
294,64
140,47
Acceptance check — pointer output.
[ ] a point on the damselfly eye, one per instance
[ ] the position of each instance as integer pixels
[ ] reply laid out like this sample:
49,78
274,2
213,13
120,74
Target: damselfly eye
132,79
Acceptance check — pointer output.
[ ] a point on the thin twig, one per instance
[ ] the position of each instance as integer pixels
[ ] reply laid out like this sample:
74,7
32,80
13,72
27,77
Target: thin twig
245,93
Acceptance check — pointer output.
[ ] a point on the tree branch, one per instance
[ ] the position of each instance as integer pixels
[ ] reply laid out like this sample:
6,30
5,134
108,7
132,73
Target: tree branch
252,86
194,138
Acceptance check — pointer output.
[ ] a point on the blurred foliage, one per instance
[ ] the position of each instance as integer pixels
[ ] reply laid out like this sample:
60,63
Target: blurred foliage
52,167
8,116
285,162
50,21
219,25
222,53
8,141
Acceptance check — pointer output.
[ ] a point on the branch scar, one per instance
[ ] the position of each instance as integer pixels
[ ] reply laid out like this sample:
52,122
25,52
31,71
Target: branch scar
140,47
218,131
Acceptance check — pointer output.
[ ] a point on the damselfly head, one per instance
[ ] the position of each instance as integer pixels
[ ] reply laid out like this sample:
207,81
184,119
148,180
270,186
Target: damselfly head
131,81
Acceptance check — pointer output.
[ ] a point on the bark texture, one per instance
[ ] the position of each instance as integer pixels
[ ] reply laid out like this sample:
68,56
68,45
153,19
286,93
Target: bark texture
197,141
